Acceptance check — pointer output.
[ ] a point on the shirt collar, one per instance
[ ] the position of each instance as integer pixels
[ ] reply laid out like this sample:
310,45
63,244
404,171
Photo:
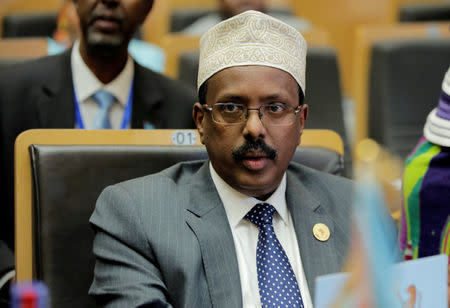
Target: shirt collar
86,83
237,205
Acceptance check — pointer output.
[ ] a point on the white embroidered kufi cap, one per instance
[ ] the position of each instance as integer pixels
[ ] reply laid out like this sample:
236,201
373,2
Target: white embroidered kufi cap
252,38
437,127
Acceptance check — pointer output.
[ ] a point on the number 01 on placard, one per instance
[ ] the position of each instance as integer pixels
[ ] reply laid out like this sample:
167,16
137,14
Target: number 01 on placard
180,137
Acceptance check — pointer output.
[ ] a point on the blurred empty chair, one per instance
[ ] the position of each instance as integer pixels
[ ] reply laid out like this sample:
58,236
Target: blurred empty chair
174,45
323,90
424,12
8,7
405,82
29,24
340,19
183,17
60,173
366,37
188,67
324,96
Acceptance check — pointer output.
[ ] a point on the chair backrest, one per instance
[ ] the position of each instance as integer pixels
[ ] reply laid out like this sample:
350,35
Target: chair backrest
20,49
324,97
413,12
8,7
405,85
183,17
60,173
174,45
29,24
340,19
366,36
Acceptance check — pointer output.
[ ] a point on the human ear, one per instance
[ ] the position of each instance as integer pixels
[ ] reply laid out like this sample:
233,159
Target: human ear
198,114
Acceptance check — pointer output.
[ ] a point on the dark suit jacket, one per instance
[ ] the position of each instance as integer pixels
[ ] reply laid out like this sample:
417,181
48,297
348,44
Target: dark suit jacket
165,238
40,94
6,259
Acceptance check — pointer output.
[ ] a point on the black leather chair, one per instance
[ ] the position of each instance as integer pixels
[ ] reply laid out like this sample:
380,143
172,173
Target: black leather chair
420,12
29,24
405,84
323,91
67,169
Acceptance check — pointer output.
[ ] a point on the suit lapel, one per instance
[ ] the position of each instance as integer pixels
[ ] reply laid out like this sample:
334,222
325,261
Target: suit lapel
147,100
54,95
306,210
208,220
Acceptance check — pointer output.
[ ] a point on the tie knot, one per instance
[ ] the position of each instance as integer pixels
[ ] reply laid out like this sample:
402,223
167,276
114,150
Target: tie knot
104,99
261,214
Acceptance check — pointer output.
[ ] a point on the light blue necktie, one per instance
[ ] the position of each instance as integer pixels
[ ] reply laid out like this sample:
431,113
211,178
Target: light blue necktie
105,100
276,280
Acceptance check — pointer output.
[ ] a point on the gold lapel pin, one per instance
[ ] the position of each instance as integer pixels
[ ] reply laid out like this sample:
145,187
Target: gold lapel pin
321,232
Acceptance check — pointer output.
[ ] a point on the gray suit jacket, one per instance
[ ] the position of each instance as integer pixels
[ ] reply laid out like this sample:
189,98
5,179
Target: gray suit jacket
165,238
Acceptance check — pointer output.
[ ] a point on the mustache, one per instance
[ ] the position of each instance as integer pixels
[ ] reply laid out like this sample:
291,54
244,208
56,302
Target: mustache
254,145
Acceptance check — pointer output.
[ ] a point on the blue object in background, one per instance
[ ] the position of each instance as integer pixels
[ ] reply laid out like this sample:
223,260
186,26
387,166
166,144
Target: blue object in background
29,294
378,237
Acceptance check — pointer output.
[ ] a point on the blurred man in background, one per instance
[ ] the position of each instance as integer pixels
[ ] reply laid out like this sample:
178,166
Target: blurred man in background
68,31
94,85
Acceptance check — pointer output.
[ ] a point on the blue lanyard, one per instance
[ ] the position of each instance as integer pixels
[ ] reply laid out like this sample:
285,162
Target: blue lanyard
126,113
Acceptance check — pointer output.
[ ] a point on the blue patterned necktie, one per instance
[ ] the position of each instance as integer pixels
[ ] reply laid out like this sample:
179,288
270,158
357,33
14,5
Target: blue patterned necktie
276,280
105,100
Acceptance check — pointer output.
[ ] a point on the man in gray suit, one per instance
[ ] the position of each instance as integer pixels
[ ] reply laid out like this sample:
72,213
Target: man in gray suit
246,228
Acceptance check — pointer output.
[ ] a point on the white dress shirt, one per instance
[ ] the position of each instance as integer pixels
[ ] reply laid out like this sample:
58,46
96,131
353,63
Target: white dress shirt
86,84
245,236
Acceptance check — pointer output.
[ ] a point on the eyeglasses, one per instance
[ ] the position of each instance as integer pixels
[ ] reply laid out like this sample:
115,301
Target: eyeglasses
275,114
